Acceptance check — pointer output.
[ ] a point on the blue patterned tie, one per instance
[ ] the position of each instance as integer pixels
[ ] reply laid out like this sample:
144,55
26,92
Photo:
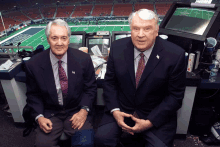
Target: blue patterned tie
63,80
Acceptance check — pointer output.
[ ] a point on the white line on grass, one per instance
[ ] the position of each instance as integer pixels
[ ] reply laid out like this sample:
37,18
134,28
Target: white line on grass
14,35
34,35
94,29
34,40
113,28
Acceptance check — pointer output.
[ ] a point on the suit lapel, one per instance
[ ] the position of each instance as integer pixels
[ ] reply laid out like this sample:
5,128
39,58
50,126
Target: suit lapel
154,59
129,58
72,71
48,76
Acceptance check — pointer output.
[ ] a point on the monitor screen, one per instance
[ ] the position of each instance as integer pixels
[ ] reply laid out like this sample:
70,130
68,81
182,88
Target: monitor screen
119,36
76,41
102,43
190,20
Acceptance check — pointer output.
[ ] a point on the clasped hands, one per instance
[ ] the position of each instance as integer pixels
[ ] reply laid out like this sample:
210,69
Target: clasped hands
140,124
78,120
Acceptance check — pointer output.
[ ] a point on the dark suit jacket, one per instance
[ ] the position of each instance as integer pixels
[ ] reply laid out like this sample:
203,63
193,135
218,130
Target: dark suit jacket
160,91
41,89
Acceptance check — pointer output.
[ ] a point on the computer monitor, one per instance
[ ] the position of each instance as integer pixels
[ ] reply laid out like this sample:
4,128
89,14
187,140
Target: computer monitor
192,21
77,39
103,41
120,34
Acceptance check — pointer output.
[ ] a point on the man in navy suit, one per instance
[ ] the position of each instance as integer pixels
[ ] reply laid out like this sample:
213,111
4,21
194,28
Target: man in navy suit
145,81
61,87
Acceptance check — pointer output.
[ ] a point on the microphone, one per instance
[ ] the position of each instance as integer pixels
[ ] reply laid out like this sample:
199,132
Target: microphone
19,43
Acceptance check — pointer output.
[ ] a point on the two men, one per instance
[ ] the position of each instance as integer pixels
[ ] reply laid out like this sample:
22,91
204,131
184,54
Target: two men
145,81
61,87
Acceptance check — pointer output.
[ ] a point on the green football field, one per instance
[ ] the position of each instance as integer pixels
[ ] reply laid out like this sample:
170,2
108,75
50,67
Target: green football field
195,12
39,37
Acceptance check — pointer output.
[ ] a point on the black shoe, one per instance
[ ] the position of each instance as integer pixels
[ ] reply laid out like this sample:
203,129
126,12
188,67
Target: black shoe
209,140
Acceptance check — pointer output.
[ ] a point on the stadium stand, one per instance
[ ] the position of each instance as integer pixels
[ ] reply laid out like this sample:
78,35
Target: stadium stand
81,1
64,11
149,6
82,11
9,21
17,16
162,8
102,10
1,27
48,12
89,1
33,13
104,1
24,3
8,5
122,9
45,2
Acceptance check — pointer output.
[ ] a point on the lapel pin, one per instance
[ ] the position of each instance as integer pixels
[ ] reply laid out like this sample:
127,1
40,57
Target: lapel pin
158,57
73,72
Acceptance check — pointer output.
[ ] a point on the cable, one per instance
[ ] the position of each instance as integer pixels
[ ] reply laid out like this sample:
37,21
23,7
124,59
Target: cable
211,95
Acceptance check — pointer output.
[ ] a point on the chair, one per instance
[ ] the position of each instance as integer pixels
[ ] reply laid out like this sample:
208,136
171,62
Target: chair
128,140
65,140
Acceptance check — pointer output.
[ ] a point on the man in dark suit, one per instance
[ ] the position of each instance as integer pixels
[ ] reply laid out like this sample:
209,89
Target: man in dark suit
61,87
145,81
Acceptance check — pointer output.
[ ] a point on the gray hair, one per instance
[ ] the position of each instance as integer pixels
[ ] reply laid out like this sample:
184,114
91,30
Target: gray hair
144,14
59,22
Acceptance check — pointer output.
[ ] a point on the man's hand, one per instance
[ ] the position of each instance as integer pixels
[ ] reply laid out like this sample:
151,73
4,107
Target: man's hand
140,125
45,124
78,119
119,117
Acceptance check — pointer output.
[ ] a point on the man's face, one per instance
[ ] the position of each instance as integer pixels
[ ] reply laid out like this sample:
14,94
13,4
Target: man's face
143,32
58,40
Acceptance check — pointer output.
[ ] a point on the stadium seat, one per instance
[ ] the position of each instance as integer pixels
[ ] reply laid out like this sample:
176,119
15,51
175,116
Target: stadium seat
65,140
128,140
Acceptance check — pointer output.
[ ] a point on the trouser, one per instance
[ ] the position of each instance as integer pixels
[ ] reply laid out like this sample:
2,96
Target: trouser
61,124
108,135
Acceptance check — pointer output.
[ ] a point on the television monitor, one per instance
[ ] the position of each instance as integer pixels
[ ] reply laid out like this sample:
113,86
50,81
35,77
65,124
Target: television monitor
191,20
102,43
77,39
120,34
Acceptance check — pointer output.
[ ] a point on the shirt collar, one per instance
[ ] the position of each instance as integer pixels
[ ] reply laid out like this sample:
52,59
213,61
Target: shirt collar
54,60
146,53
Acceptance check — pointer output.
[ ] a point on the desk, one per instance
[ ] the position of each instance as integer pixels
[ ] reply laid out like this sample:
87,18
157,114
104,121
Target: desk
15,90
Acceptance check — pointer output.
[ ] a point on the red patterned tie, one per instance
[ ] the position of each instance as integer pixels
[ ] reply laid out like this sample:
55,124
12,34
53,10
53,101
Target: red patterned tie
63,80
141,66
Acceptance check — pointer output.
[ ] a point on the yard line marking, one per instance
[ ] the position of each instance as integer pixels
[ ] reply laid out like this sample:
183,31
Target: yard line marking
33,35
34,40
